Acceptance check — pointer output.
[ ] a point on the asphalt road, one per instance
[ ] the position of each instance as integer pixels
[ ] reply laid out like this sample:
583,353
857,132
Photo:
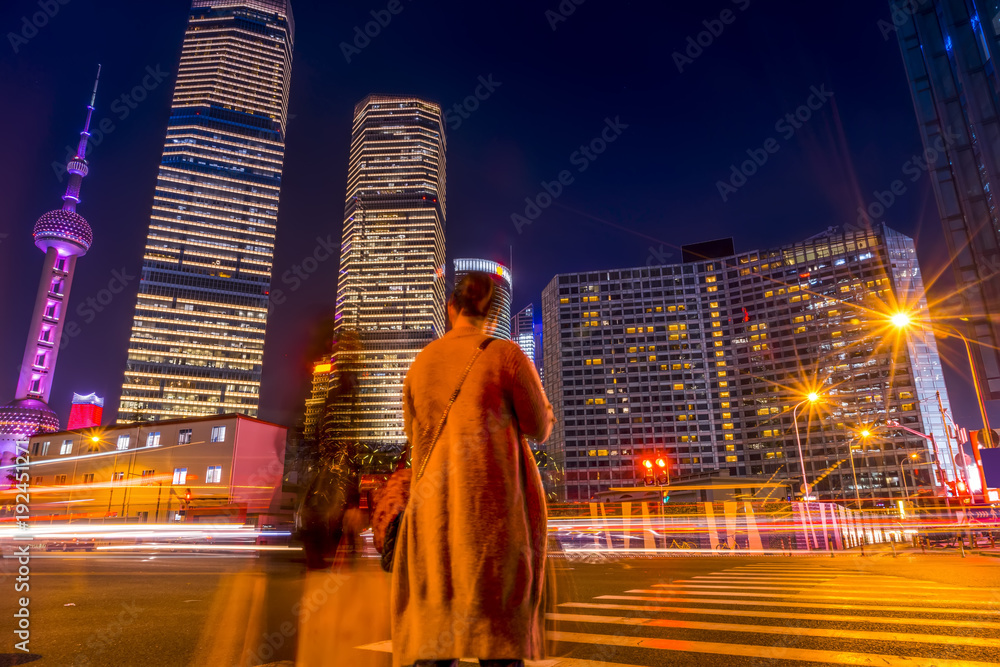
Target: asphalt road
113,610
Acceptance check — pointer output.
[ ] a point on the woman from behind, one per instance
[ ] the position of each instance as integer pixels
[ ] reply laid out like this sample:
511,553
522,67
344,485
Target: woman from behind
470,562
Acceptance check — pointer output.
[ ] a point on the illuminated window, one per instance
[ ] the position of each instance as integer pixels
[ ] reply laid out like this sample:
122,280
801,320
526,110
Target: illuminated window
564,300
180,475
730,448
730,459
66,447
678,387
213,475
123,441
728,436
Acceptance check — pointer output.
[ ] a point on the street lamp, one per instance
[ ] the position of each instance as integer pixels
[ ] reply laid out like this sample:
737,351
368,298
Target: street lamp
864,434
811,398
902,475
902,321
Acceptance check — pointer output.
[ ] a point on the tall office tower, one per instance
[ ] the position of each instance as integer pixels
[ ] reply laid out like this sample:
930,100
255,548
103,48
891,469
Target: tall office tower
948,48
197,340
704,363
498,319
392,265
524,330
321,375
63,235
85,412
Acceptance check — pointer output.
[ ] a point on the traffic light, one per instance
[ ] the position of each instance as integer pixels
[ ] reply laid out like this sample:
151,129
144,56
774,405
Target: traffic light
661,476
187,495
666,498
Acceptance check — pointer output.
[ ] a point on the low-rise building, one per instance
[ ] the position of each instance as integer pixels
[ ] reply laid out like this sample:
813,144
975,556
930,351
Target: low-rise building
223,467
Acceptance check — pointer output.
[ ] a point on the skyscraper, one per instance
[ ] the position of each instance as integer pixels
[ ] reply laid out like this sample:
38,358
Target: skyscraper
63,235
703,363
948,50
498,319
392,264
524,331
197,340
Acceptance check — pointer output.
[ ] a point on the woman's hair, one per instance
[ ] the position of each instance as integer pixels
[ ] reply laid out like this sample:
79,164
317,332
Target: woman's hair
473,294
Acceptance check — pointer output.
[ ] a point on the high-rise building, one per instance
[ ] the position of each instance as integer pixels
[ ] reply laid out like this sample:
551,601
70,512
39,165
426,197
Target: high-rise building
392,266
63,235
85,412
948,50
498,319
321,375
524,331
706,363
197,339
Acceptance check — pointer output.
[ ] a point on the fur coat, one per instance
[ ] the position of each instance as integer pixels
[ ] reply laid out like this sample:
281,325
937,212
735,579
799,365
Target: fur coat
470,557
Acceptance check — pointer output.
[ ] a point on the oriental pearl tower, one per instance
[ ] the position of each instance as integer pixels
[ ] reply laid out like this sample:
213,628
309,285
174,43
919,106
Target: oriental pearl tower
63,235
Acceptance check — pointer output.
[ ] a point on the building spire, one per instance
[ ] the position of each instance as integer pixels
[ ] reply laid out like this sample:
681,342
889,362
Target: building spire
77,167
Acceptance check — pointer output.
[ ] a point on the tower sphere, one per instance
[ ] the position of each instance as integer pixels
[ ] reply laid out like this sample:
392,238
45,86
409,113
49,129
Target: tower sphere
66,231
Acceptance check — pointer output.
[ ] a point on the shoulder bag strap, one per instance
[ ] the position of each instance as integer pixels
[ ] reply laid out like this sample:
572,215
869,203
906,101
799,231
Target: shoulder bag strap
454,396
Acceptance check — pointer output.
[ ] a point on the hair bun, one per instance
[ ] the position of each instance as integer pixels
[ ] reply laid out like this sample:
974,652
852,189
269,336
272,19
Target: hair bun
473,294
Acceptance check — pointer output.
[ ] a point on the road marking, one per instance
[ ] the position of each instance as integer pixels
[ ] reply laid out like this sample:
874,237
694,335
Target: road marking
811,596
835,633
923,587
767,652
386,647
805,604
756,613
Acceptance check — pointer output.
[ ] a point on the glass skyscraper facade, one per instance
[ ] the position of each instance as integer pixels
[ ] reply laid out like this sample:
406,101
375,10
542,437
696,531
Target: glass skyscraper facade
197,340
523,327
498,319
704,362
392,265
948,48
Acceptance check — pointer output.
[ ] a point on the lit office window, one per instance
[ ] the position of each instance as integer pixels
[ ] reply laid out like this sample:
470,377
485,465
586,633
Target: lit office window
218,434
214,475
153,439
180,475
123,441
66,447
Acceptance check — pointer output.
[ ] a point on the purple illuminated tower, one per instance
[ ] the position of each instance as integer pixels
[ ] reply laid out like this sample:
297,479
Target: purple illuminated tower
63,235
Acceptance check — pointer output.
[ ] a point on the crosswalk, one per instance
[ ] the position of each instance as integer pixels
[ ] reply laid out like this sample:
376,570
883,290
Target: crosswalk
781,613
778,613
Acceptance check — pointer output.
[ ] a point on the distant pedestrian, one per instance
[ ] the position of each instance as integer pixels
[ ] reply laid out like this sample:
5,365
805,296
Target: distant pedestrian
470,558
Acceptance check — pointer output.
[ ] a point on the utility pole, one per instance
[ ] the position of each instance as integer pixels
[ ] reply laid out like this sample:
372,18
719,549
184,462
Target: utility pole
951,454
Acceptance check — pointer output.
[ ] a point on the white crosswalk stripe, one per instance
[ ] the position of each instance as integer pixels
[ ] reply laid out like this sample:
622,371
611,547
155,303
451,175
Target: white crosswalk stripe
786,614
760,614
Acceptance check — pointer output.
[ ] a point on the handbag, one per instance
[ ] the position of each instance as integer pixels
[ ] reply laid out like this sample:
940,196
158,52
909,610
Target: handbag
390,501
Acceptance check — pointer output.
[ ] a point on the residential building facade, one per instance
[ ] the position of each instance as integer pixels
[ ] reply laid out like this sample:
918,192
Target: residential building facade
707,363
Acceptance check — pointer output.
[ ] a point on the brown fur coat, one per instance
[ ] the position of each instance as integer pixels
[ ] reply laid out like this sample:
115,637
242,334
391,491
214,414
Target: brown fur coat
470,561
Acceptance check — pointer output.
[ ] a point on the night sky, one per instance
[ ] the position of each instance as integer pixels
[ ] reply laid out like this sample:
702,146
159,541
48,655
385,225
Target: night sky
652,189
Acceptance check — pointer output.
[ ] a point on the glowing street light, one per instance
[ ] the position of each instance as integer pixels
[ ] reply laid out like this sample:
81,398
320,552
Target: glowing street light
901,320
863,435
811,398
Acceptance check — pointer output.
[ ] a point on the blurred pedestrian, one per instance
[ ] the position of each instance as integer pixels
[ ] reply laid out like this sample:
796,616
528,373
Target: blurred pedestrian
469,565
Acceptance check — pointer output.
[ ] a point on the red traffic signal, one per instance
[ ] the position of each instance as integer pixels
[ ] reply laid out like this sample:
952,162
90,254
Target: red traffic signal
660,462
648,464
187,495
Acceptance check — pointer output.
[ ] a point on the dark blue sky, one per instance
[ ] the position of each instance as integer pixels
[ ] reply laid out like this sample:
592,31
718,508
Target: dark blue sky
656,184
